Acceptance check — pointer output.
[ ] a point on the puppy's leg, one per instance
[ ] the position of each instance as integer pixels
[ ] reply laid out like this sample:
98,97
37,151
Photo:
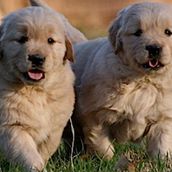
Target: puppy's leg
160,139
97,140
48,147
18,146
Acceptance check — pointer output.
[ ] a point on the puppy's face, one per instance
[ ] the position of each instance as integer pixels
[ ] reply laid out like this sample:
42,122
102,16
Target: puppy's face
142,36
33,45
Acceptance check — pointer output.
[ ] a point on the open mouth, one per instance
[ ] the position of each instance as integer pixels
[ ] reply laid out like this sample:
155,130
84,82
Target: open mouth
153,64
35,75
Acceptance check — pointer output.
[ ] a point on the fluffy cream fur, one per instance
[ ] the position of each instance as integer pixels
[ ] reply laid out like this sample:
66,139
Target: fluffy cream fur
34,113
120,96
74,34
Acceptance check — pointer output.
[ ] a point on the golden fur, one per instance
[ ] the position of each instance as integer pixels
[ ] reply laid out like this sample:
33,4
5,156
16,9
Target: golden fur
73,34
34,106
122,94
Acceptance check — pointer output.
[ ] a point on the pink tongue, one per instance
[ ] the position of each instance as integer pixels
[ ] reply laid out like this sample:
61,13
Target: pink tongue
153,64
35,76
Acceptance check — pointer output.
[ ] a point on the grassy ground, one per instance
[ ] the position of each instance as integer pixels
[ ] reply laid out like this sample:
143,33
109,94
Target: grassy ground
137,161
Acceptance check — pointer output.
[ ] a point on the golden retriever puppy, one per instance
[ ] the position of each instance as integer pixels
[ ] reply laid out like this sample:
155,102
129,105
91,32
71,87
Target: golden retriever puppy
124,84
36,85
74,35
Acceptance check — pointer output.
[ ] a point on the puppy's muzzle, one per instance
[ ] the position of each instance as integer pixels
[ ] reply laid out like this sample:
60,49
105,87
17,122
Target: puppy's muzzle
154,57
36,60
154,51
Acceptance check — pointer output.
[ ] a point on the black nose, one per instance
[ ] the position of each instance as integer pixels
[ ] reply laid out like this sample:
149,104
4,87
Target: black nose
36,59
154,51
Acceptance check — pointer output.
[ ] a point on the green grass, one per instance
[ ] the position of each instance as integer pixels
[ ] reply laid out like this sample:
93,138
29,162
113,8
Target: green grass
137,161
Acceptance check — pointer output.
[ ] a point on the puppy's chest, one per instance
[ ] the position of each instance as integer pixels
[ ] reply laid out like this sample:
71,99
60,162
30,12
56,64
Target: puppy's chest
139,107
37,113
139,100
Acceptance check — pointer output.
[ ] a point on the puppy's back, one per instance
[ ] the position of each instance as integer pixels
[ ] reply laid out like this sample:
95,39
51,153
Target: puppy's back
85,53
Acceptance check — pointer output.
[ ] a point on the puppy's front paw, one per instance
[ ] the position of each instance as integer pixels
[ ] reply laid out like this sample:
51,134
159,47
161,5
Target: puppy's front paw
37,166
34,169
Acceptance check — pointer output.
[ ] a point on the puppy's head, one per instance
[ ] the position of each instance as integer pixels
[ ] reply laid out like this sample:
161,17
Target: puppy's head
142,36
33,45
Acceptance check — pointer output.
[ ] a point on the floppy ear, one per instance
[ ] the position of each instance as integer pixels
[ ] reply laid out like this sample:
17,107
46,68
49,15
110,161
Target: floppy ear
38,3
69,55
114,31
73,34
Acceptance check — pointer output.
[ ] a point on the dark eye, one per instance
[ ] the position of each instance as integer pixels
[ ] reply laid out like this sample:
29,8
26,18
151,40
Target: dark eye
51,40
23,40
138,32
168,32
